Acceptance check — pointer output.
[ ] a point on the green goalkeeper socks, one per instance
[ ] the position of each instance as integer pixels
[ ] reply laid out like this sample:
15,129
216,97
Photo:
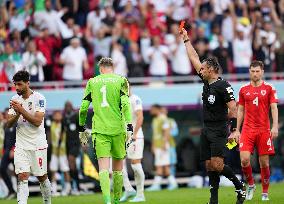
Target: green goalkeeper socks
117,185
105,185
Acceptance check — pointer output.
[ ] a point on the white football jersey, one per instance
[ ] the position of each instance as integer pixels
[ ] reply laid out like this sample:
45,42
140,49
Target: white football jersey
28,136
136,104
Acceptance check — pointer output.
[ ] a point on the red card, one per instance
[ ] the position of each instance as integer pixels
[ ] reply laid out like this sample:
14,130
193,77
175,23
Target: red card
181,25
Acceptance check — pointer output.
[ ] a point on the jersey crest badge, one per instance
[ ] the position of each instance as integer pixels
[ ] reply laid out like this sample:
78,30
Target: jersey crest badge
211,99
263,92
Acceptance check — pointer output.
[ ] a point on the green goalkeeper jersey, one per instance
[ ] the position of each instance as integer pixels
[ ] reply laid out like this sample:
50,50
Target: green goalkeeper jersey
109,94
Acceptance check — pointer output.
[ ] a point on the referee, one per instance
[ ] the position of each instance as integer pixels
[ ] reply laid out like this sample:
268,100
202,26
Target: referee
217,98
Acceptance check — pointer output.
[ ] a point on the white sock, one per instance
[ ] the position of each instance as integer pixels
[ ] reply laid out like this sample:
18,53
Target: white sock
23,192
54,187
157,180
45,188
67,187
3,188
139,178
126,183
172,180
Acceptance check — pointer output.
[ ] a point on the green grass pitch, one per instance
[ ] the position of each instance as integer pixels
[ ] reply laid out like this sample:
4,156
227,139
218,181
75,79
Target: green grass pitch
180,196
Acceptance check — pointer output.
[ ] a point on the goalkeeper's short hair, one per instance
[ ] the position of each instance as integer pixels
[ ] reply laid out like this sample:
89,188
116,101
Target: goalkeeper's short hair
106,62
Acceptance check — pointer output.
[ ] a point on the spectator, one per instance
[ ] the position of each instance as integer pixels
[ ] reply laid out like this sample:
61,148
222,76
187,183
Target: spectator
135,61
227,27
10,61
119,60
145,43
264,45
131,18
81,15
101,44
179,10
33,60
158,55
242,49
222,54
49,18
71,7
204,22
94,21
201,44
179,59
74,59
109,19
17,42
47,44
155,22
18,19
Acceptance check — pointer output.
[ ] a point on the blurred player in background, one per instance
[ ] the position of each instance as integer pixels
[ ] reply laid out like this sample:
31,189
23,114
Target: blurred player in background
27,109
70,122
255,100
8,156
59,155
161,148
135,154
173,153
109,94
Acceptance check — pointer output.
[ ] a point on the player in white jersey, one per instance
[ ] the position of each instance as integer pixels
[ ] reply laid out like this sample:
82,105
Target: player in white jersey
27,109
135,154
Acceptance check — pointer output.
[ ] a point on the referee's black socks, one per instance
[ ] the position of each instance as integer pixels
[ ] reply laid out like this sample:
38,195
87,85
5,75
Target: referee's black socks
228,173
214,180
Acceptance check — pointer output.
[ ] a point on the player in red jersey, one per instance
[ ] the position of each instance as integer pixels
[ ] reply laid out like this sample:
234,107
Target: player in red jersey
255,100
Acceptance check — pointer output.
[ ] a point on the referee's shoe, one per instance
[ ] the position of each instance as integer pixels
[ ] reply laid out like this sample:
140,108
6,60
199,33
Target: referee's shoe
241,194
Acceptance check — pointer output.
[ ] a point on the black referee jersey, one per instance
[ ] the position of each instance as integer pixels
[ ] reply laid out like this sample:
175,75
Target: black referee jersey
215,97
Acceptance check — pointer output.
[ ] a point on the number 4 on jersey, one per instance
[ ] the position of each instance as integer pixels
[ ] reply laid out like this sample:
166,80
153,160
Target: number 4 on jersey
255,101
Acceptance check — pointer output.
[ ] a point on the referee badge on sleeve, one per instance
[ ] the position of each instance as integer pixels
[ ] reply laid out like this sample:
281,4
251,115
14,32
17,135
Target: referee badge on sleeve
41,103
211,99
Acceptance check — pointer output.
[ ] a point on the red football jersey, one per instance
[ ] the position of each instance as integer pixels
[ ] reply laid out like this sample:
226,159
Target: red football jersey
256,102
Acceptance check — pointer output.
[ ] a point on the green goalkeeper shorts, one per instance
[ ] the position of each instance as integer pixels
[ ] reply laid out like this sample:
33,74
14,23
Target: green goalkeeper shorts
110,146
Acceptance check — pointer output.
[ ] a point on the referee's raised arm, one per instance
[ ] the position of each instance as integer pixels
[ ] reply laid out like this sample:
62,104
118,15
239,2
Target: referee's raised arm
191,52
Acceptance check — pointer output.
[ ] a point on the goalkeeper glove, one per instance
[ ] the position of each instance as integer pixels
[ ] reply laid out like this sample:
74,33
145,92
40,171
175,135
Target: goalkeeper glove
83,135
130,138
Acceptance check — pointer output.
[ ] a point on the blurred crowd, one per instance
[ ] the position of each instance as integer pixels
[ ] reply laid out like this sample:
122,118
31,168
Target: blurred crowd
63,39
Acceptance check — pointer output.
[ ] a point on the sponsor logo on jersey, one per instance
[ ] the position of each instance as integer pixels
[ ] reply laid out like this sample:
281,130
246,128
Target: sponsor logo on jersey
211,99
241,145
263,92
248,94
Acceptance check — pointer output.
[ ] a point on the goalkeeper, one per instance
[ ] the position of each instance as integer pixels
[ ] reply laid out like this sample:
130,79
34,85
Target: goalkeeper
111,127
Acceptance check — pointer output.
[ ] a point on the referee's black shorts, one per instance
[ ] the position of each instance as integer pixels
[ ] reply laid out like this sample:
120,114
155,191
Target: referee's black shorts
213,141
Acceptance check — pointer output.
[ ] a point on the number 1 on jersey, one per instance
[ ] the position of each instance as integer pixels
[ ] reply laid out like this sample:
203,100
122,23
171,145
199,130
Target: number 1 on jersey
255,101
104,92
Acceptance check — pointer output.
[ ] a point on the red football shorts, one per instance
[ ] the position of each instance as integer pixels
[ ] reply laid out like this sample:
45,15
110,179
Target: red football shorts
260,139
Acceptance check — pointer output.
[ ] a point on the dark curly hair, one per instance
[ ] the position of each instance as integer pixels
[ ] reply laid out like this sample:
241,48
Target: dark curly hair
212,62
22,75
